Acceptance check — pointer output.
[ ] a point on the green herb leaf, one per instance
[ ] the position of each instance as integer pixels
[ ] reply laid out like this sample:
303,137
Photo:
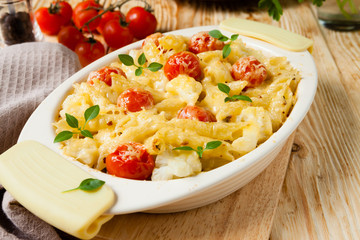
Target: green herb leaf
62,136
71,120
91,112
86,133
228,99
154,66
274,8
238,97
126,59
142,59
242,97
138,71
223,38
200,150
318,3
224,88
213,144
215,34
186,148
129,61
234,37
89,184
226,50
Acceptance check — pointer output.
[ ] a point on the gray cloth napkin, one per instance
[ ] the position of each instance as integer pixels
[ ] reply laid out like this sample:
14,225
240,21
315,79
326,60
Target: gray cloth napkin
28,73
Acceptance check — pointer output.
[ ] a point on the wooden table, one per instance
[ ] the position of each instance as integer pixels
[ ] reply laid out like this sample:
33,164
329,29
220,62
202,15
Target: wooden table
312,189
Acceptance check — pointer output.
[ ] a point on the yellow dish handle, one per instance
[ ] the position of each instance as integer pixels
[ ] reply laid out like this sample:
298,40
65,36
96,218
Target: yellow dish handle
274,35
37,178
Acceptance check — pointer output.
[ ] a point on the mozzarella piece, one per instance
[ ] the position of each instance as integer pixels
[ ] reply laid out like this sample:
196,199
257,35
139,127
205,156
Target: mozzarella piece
186,88
175,164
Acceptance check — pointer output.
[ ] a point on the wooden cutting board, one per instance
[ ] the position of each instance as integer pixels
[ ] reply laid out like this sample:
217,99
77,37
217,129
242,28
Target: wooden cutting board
245,214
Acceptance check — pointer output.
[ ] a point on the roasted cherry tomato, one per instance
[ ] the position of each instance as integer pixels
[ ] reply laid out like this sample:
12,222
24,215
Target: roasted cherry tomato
135,99
89,50
104,74
152,38
110,15
116,35
83,12
203,42
130,160
65,10
196,113
69,36
249,69
183,63
49,20
141,22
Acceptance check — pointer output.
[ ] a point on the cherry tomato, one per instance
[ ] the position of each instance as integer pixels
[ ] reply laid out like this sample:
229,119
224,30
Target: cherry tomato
88,50
48,20
249,69
152,38
111,15
65,10
116,35
69,36
104,74
83,12
141,22
135,99
183,63
130,160
84,5
203,42
196,113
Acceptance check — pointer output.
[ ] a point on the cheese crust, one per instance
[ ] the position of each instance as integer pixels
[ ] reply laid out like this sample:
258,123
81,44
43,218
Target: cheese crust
241,125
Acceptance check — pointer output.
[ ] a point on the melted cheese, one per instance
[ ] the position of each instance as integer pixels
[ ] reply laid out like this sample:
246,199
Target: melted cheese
241,125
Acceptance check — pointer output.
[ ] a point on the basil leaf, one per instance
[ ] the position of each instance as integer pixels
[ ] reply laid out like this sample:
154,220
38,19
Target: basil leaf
91,112
89,184
62,136
213,144
142,59
215,34
154,66
126,59
200,151
186,148
241,97
86,133
71,121
223,38
228,99
234,37
226,50
224,88
138,71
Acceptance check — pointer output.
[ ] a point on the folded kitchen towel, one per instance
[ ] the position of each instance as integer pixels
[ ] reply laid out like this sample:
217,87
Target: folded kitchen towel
28,73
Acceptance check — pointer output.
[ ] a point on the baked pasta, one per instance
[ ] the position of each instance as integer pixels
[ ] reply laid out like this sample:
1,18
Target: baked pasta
198,97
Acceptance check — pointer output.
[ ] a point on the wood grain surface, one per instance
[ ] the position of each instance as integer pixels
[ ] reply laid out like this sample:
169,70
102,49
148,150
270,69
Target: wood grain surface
320,195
